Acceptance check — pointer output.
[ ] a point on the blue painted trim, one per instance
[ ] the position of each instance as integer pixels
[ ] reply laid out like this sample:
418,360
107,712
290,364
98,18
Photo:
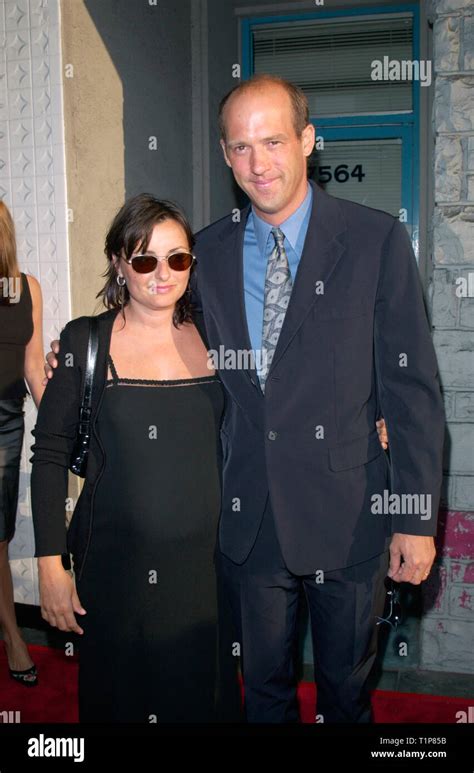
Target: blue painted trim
363,11
247,49
361,132
364,120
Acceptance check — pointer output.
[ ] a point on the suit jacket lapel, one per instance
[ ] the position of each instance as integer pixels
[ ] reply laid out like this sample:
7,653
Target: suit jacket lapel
232,247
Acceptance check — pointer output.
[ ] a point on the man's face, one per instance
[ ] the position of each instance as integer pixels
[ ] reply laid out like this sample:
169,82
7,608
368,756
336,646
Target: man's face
267,158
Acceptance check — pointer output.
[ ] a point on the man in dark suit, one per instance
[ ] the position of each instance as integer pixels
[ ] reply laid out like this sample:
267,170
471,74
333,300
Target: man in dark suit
325,296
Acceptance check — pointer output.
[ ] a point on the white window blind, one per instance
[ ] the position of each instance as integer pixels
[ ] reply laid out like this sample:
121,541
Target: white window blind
331,62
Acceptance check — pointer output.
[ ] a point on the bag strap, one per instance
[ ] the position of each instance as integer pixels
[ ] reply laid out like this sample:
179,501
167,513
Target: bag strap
92,349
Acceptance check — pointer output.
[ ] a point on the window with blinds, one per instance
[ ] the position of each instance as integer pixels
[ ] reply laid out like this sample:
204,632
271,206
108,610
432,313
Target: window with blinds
354,170
332,62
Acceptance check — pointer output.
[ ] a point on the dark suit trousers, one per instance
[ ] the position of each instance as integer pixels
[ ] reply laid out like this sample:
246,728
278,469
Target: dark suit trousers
264,596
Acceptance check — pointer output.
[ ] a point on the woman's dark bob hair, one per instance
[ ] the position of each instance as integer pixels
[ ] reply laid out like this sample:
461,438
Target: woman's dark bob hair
131,229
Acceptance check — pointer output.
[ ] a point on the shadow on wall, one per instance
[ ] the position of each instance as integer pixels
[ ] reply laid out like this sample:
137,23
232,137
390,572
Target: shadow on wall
150,48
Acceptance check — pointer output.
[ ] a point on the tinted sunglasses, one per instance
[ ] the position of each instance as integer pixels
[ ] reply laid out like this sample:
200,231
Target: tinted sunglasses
180,260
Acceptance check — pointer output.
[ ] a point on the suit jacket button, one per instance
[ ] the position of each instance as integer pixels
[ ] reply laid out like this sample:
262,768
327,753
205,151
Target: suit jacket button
272,435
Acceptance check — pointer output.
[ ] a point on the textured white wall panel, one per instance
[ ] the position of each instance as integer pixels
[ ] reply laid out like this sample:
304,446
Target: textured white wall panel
33,184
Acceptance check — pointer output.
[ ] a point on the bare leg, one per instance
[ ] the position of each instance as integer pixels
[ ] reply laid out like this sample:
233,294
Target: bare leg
17,651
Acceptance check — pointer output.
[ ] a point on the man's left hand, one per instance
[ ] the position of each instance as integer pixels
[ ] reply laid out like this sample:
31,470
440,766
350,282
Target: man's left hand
418,554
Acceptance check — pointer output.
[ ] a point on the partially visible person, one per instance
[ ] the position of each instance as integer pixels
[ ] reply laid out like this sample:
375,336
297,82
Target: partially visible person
21,358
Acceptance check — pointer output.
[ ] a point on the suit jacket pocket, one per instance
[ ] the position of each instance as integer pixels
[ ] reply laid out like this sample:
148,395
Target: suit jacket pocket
354,453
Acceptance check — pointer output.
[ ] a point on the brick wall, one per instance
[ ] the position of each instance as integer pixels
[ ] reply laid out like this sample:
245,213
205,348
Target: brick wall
447,628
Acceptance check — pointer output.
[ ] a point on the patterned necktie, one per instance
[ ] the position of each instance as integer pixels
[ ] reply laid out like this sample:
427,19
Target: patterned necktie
278,286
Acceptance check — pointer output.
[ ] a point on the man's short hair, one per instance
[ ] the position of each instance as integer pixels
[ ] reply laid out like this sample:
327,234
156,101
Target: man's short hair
297,96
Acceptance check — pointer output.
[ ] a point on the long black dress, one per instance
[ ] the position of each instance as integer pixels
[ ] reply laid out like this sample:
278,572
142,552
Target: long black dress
149,649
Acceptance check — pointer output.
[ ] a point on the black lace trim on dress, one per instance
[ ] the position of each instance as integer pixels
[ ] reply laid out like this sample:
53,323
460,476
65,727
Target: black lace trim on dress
116,379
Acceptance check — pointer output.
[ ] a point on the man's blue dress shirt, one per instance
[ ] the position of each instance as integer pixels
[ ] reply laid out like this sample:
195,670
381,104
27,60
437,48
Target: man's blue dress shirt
258,245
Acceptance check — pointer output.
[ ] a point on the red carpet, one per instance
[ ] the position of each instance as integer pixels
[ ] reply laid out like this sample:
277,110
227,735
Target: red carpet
55,697
397,707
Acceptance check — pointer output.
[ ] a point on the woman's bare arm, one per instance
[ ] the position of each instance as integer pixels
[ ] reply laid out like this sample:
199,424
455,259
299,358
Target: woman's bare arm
34,353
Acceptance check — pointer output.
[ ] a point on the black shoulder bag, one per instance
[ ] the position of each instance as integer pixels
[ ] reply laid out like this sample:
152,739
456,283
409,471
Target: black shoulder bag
78,464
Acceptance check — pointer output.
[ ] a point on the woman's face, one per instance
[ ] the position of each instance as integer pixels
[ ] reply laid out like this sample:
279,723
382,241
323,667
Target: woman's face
163,287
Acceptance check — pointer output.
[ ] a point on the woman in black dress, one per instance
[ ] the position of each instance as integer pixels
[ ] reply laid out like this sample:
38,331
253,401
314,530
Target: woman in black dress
21,356
144,530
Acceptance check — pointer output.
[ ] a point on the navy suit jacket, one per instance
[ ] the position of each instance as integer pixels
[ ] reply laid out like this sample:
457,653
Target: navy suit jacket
355,345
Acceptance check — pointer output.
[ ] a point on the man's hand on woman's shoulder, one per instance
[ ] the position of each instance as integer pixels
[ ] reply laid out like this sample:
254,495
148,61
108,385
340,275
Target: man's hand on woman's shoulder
51,361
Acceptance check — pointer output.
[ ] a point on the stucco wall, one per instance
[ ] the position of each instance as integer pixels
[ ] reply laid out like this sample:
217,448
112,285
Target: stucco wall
93,120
